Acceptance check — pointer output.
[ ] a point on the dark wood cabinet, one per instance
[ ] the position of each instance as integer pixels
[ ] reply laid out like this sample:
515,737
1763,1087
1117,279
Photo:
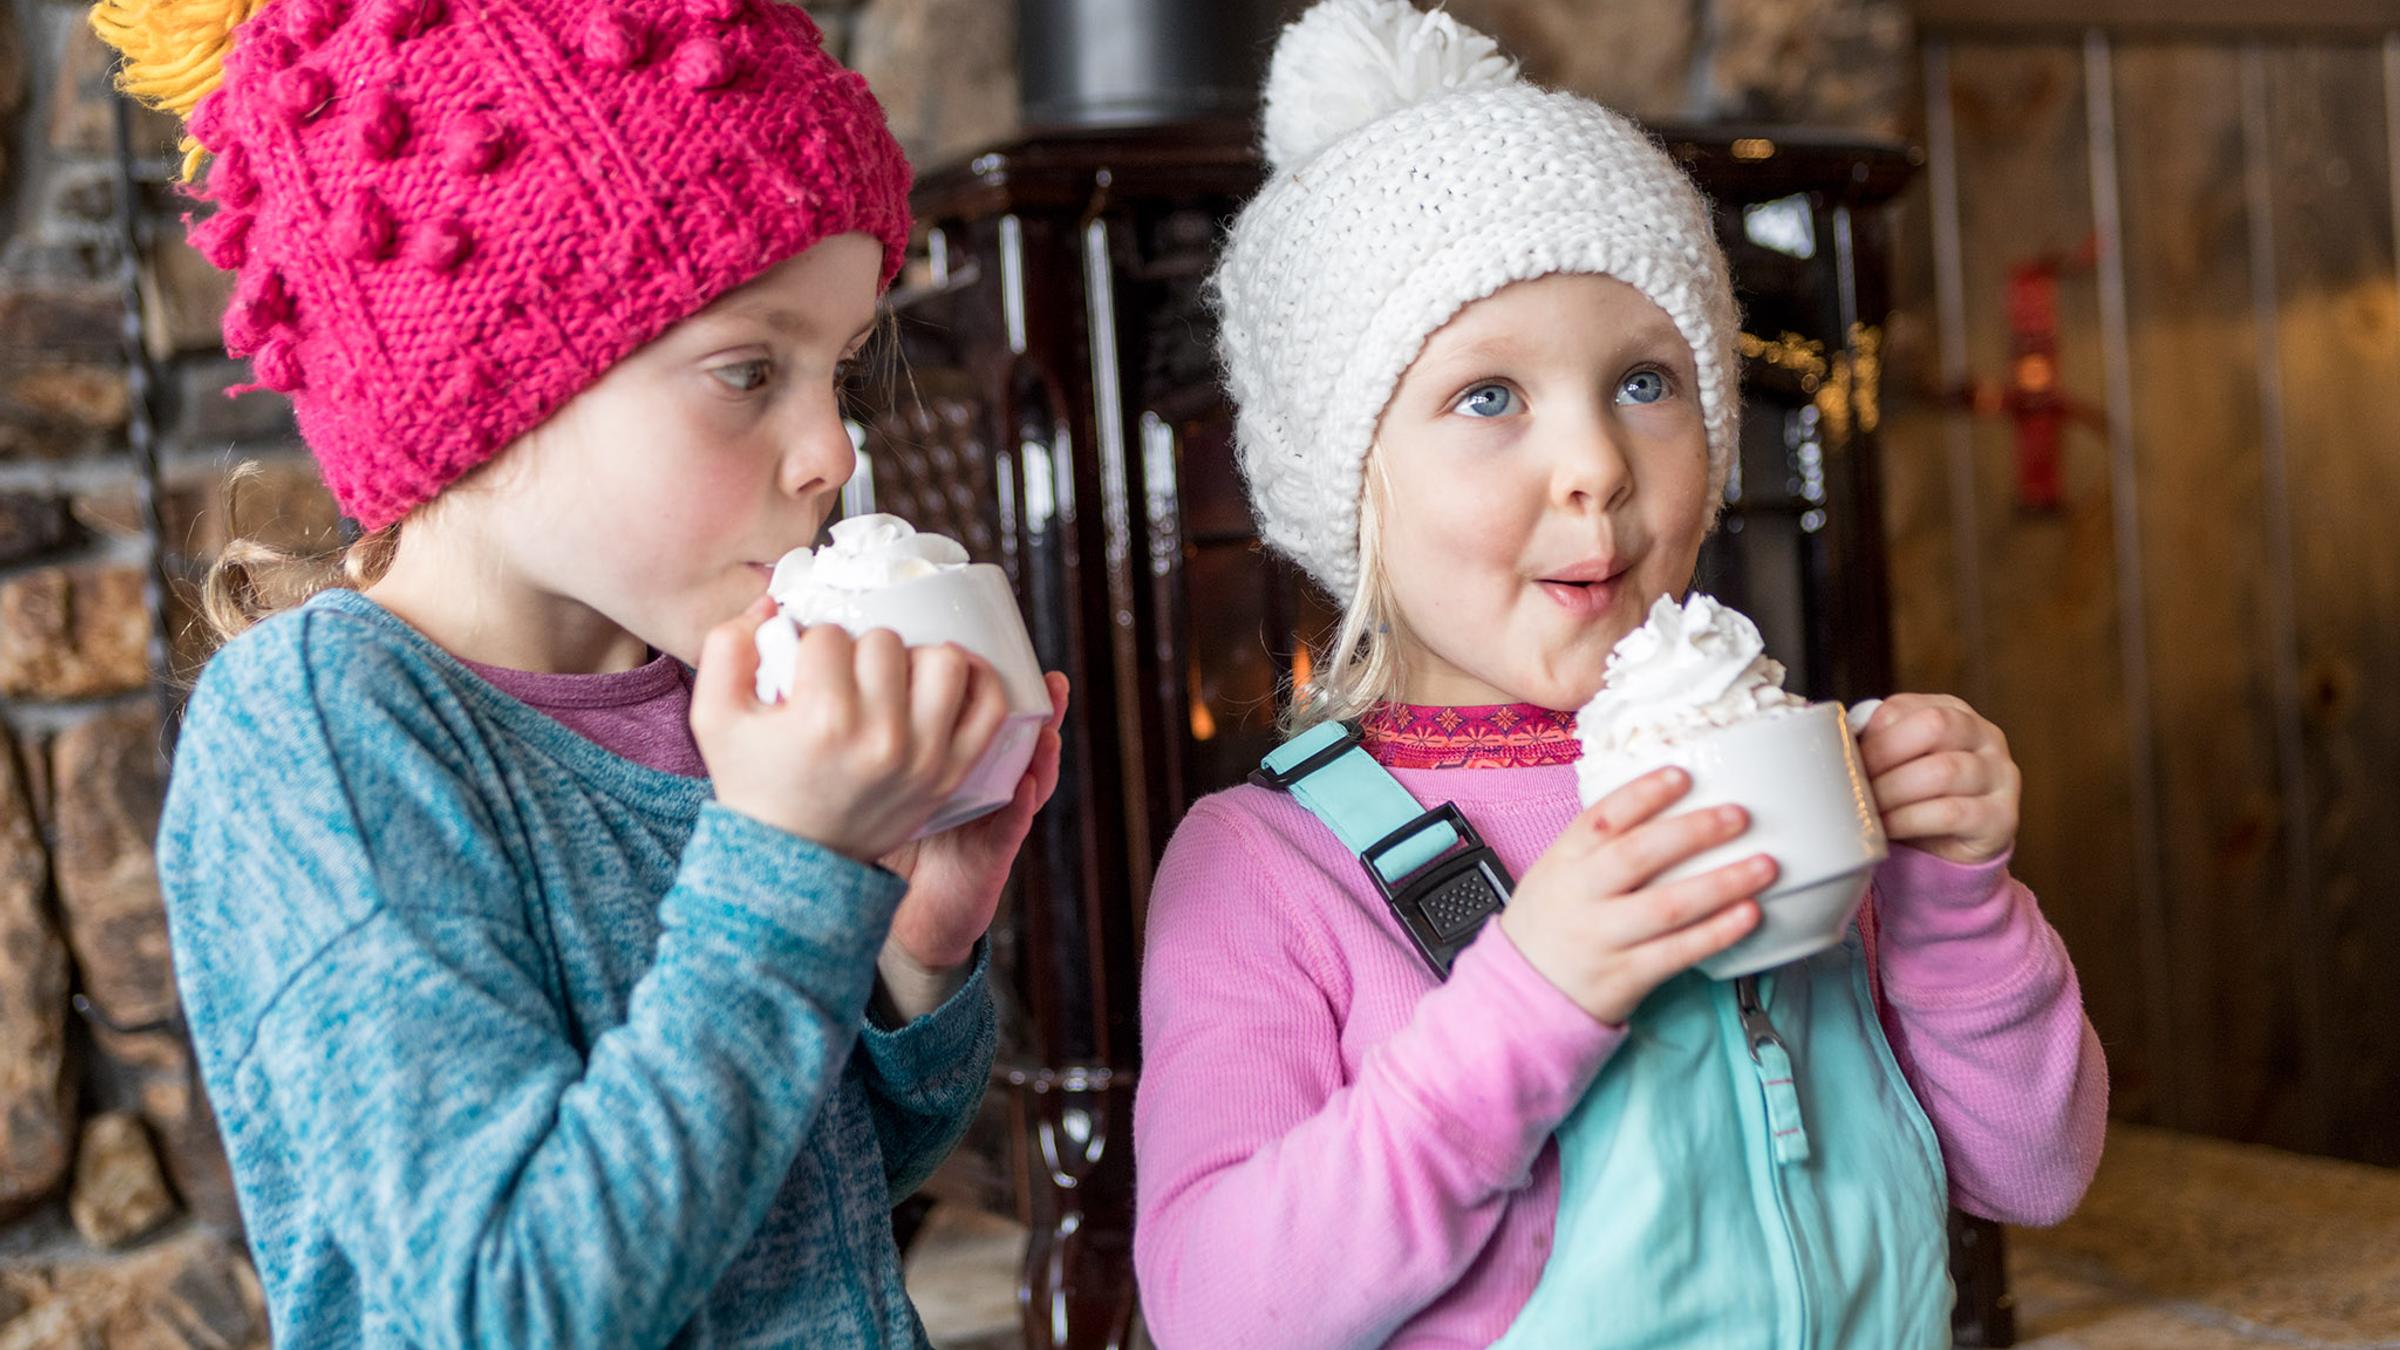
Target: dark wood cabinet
1056,406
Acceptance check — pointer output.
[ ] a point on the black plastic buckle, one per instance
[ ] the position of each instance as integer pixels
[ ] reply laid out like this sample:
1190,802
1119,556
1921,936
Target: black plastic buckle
1282,781
1443,904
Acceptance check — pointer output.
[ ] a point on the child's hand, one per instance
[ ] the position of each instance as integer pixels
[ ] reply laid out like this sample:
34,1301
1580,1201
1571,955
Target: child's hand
1587,917
874,736
1942,777
954,878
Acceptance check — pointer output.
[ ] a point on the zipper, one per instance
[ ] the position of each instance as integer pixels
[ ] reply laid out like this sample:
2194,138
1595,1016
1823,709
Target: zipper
1787,1137
1787,1132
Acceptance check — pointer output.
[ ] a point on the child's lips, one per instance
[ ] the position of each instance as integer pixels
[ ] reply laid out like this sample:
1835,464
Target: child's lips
1586,599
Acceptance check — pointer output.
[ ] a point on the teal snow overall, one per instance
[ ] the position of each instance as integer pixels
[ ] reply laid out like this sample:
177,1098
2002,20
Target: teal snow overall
1749,1169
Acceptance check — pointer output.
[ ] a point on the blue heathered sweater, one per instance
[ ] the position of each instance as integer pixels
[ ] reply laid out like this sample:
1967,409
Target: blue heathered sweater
516,1042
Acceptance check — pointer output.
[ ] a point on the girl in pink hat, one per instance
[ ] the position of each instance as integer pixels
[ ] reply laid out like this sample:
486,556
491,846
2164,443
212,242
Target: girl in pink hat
549,991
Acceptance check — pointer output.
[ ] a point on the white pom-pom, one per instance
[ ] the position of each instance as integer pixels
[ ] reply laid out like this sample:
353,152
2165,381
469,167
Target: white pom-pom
1346,63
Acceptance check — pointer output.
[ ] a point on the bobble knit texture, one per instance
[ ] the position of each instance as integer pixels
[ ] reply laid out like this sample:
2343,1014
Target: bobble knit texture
449,219
1353,255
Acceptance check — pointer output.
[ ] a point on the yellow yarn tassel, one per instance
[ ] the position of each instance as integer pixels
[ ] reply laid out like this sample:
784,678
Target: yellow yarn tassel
174,51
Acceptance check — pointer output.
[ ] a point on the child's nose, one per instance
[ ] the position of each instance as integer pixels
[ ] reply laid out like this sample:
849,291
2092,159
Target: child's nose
819,454
1594,472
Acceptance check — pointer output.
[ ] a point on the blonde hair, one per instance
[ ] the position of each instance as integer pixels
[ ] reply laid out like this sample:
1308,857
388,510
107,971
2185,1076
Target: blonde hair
1359,666
251,580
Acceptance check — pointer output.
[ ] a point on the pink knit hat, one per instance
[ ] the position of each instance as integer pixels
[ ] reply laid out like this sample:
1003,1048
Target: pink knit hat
451,217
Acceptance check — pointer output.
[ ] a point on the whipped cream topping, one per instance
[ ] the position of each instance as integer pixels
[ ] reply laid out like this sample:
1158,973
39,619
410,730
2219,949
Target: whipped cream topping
1688,669
863,555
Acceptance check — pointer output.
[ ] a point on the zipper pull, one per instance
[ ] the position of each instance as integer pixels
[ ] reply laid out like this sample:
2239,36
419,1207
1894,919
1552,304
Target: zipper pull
1786,1131
1755,1024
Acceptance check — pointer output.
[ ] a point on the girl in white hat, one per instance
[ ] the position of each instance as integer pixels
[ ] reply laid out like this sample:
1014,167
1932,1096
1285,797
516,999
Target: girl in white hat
1480,340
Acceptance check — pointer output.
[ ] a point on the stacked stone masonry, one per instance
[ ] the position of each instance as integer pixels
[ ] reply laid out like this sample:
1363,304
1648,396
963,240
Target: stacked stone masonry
117,1220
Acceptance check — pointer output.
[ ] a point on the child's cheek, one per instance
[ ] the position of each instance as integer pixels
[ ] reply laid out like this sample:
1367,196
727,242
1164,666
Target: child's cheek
716,480
700,463
1480,539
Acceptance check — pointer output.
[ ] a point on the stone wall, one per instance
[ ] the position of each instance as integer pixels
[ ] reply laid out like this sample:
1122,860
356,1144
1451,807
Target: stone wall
117,1220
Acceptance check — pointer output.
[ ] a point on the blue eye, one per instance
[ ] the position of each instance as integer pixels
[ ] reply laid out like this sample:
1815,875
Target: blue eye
1488,400
1643,386
743,376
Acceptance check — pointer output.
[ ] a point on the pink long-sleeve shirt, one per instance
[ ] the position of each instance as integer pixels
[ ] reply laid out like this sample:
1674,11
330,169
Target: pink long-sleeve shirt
1332,1148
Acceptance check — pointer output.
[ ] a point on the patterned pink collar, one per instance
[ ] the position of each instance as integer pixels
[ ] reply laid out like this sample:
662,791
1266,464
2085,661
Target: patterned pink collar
1507,736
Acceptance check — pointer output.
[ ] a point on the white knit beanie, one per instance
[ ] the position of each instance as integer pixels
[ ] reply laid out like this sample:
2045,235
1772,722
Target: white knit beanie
1412,173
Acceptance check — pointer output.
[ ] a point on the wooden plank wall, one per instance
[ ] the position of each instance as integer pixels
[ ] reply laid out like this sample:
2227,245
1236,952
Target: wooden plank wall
2334,325
2197,658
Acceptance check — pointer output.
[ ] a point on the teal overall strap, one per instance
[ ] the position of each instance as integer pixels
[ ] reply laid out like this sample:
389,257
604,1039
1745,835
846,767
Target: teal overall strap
1329,772
1440,897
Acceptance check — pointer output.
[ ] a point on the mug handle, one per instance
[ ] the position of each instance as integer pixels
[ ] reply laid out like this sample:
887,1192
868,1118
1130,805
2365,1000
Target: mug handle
1861,713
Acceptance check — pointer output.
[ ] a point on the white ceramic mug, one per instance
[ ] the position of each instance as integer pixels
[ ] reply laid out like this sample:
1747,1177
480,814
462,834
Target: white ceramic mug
973,607
1811,810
